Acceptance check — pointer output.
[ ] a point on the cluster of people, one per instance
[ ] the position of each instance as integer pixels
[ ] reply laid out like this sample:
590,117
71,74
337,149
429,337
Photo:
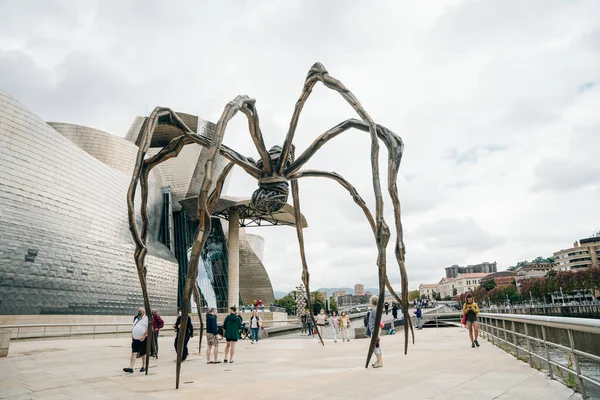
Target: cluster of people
232,327
424,303
338,324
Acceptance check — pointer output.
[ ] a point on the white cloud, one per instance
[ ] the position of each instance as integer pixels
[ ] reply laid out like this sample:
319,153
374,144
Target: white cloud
496,102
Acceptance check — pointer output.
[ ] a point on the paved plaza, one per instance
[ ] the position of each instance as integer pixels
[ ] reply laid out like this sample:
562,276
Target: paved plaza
441,365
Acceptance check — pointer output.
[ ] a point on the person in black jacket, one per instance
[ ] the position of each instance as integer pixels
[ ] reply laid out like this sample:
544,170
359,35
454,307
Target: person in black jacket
211,336
189,332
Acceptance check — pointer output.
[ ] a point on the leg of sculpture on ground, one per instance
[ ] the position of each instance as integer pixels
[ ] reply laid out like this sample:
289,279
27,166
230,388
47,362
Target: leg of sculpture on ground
204,218
305,274
319,73
197,299
395,149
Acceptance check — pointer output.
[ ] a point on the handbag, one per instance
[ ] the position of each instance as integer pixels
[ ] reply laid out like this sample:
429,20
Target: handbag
464,319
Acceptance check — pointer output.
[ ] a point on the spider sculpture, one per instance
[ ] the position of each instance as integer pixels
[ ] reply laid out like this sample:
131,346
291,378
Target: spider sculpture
274,171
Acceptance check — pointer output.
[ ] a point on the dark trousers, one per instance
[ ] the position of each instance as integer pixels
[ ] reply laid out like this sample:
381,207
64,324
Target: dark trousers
185,349
154,351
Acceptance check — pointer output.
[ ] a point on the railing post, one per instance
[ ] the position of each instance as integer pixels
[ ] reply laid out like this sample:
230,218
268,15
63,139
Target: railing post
18,331
94,333
514,335
547,353
505,334
528,346
436,320
44,337
70,331
116,330
576,363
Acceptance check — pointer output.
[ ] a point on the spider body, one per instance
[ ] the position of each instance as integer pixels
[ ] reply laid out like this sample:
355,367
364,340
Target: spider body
273,191
274,171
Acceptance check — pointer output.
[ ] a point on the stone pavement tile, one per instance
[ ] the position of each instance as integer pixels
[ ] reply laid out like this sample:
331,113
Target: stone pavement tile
12,390
462,392
550,392
21,397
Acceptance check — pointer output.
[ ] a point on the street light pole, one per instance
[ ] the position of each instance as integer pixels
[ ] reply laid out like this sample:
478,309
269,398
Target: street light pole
562,296
531,298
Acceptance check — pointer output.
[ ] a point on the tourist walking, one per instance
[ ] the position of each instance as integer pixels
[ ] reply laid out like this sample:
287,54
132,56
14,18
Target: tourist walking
139,333
211,337
189,333
333,322
304,322
231,330
419,315
470,310
309,323
372,313
344,323
321,320
386,305
255,325
157,325
395,310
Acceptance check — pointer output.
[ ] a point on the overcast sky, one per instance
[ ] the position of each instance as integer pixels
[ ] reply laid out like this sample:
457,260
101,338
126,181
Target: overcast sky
498,104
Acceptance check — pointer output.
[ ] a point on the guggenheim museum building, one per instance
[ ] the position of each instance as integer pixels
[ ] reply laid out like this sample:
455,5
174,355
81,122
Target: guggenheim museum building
65,245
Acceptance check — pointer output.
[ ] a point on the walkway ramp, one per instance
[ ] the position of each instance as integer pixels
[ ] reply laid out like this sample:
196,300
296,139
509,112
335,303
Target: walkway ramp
441,365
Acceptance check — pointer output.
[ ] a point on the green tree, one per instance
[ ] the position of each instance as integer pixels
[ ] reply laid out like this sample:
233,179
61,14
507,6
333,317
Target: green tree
512,293
454,292
488,285
288,303
333,304
318,302
413,294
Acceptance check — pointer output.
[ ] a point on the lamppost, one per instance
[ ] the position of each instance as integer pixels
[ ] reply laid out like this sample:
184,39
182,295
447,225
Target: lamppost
562,297
531,298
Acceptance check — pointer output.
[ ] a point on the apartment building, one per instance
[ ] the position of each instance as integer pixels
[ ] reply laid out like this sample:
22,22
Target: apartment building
583,254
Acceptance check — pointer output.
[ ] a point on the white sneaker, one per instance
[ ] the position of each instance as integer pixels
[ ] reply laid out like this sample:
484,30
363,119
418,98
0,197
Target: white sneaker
252,342
377,365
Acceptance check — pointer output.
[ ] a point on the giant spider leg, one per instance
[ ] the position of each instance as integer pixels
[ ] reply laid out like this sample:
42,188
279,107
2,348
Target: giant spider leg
361,203
305,274
395,148
204,218
142,170
197,299
319,73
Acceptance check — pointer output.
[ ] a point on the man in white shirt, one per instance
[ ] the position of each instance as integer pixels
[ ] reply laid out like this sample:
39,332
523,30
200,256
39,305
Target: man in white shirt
139,331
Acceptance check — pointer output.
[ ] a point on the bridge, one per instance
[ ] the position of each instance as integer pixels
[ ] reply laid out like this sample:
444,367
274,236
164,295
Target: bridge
440,365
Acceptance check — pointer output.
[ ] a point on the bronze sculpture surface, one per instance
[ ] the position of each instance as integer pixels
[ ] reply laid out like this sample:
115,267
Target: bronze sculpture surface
274,169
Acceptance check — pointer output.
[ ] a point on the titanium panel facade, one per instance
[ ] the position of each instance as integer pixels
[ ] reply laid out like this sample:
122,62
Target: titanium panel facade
65,246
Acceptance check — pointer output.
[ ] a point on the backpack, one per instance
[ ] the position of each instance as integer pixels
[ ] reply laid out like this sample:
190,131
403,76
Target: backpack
366,320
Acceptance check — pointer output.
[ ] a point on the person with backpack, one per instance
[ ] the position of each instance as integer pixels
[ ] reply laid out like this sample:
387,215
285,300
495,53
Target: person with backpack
189,333
211,336
386,305
371,328
419,315
304,322
395,310
309,323
344,323
255,324
231,328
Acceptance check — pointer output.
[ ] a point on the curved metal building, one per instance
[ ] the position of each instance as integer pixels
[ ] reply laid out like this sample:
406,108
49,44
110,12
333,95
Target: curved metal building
65,245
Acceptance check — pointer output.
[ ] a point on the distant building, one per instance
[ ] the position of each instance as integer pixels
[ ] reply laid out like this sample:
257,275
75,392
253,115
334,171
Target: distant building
533,270
369,294
349,300
428,290
447,287
484,267
339,293
584,254
501,278
359,289
468,282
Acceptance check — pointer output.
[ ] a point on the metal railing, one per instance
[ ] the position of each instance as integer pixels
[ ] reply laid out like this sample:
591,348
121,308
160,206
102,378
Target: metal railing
501,330
47,331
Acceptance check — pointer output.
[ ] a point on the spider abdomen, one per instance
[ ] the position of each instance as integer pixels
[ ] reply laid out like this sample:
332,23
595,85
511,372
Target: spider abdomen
270,197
